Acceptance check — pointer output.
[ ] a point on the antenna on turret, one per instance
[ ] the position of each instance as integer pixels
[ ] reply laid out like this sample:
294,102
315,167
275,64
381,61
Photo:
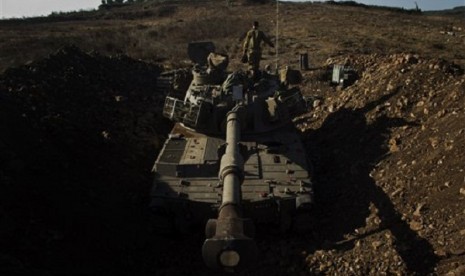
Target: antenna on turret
277,36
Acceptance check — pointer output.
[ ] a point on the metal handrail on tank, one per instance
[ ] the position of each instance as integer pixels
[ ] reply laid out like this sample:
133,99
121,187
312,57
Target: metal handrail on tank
229,245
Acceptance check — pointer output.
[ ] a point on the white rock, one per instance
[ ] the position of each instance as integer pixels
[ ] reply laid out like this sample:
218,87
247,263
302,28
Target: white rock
331,108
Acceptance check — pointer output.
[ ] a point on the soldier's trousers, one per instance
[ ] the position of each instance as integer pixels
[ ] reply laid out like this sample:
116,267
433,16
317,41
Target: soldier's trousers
254,58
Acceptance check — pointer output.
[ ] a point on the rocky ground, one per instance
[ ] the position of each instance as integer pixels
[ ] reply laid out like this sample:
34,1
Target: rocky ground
389,151
80,131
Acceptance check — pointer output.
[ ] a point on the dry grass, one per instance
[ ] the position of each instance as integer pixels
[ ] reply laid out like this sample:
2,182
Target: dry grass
159,32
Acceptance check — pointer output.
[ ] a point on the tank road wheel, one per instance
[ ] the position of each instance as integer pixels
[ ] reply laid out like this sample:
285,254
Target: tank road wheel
210,228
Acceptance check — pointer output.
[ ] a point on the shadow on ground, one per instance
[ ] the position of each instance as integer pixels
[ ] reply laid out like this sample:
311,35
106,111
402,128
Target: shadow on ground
347,150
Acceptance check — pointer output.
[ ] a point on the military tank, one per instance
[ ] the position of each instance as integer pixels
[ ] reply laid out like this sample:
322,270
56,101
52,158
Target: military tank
233,159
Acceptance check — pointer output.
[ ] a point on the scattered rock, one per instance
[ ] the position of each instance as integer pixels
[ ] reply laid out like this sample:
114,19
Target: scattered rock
434,141
417,211
441,252
457,251
416,225
376,244
459,271
393,145
331,108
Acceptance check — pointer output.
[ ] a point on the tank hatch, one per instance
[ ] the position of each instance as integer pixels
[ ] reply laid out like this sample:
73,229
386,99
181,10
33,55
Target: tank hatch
199,51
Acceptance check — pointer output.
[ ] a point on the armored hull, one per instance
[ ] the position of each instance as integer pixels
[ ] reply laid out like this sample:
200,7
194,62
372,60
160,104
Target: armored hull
277,180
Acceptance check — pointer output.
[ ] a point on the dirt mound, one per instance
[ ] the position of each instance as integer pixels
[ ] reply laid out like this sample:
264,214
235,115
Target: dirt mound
389,166
78,135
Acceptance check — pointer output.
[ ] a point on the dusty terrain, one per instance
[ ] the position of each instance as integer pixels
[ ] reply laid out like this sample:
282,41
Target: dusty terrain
80,130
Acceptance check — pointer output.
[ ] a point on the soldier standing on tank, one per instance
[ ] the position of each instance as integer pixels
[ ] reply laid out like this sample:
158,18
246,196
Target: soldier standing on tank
252,47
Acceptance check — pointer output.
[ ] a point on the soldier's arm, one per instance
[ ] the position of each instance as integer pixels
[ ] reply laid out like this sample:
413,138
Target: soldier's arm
246,42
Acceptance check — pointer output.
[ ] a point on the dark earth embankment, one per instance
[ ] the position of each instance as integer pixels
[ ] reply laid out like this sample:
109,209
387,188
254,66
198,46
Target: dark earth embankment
79,134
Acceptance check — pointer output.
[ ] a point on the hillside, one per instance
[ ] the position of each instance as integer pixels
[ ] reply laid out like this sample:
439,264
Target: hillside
80,128
457,11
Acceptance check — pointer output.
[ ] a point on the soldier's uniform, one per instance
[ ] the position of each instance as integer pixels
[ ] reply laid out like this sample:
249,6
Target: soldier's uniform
252,47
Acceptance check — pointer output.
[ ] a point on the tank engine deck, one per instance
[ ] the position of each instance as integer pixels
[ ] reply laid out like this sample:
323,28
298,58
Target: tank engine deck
276,176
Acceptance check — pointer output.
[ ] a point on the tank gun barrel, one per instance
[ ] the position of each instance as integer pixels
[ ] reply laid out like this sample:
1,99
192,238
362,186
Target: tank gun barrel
229,245
232,163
